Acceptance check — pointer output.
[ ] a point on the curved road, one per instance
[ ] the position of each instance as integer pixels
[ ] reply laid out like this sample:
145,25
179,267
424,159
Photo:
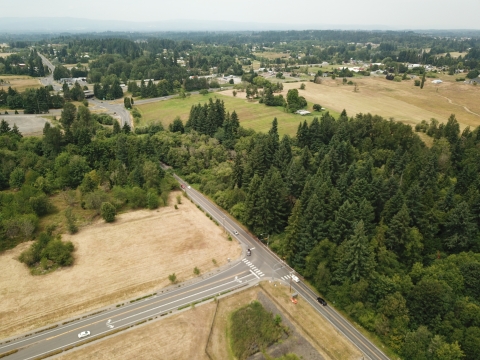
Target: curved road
248,271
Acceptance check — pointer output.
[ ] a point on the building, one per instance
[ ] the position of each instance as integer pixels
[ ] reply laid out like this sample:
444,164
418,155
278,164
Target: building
302,112
475,81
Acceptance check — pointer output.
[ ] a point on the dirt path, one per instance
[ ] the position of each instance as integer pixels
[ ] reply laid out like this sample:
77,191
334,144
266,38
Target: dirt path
462,106
113,262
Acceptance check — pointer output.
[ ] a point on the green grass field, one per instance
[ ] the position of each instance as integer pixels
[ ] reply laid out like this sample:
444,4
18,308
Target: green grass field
252,115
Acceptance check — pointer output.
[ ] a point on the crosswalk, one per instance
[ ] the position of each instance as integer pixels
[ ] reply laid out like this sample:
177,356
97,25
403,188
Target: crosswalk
286,277
253,268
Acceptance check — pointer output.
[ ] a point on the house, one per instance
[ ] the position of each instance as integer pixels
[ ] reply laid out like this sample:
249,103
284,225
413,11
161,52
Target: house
302,112
475,81
437,81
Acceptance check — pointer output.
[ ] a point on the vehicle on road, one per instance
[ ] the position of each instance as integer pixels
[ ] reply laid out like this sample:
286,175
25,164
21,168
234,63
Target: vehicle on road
83,334
182,186
321,301
189,187
235,232
249,252
295,278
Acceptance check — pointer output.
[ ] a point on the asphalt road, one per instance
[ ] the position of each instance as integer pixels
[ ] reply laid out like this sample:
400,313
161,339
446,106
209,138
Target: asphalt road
244,272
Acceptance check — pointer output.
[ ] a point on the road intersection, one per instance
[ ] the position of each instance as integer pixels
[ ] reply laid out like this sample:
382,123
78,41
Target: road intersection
262,264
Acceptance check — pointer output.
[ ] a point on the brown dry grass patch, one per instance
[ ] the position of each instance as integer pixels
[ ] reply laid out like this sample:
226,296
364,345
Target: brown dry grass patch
399,100
185,335
182,336
113,262
19,82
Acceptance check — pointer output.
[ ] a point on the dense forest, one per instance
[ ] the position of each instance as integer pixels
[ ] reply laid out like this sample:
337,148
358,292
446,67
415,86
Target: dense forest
384,227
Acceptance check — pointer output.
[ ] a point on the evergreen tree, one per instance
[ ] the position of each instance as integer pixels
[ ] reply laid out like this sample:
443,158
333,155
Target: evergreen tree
460,228
399,230
358,261
252,205
343,226
292,232
237,171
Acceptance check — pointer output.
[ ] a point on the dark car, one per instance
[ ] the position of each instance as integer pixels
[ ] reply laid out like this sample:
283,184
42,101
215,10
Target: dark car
321,301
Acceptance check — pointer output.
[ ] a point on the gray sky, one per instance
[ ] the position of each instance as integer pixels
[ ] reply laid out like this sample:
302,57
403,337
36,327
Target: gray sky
405,14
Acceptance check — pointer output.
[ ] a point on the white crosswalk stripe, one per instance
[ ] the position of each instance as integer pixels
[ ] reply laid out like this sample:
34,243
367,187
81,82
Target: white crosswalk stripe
253,268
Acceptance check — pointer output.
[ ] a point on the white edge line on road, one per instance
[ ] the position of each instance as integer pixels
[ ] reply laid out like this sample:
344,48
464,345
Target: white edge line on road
46,352
108,311
172,302
255,274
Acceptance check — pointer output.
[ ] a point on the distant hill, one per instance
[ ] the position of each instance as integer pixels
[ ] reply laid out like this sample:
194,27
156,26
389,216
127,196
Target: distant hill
77,25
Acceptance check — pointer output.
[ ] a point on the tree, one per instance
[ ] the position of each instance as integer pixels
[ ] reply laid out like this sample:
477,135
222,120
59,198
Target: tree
423,80
17,178
460,228
295,102
317,107
69,114
358,260
177,125
108,212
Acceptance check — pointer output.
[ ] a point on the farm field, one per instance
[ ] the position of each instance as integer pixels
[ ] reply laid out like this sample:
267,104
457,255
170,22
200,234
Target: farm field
251,114
402,101
19,82
190,330
113,262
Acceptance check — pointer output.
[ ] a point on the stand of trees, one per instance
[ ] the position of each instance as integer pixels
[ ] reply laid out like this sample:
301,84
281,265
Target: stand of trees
23,63
33,101
383,226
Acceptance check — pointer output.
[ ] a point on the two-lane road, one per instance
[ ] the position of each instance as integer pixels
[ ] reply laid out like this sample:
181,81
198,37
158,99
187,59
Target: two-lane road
247,271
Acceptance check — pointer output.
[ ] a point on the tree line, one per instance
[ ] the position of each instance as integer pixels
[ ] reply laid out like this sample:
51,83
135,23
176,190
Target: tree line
380,224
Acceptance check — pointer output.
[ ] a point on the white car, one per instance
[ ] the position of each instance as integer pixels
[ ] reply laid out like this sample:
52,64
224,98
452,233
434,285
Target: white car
235,232
83,334
296,279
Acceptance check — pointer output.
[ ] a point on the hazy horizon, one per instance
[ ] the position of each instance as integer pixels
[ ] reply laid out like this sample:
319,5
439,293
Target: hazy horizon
372,14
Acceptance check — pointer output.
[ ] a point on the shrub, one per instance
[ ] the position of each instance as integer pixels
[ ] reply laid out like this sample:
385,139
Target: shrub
317,107
152,199
108,212
203,92
179,199
172,278
70,218
231,82
417,83
214,262
196,271
302,86
397,79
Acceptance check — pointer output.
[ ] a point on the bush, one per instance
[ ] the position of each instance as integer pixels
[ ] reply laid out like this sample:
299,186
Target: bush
108,212
152,199
196,271
417,83
203,92
70,218
317,107
172,278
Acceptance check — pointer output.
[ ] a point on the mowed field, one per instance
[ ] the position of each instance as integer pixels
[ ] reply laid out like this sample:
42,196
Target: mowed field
19,82
186,335
399,100
113,262
251,114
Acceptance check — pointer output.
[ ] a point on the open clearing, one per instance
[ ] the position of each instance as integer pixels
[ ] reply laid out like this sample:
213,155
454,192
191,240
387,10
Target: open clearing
251,114
19,82
185,335
113,263
401,100
4,55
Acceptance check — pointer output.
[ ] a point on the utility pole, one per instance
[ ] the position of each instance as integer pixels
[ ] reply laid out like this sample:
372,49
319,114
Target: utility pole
291,272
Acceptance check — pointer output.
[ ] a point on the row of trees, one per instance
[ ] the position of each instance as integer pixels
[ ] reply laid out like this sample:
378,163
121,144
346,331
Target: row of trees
32,101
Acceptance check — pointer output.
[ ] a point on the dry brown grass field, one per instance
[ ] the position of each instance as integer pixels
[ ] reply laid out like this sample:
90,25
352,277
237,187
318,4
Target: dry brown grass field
179,337
19,82
113,262
4,55
401,100
185,335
